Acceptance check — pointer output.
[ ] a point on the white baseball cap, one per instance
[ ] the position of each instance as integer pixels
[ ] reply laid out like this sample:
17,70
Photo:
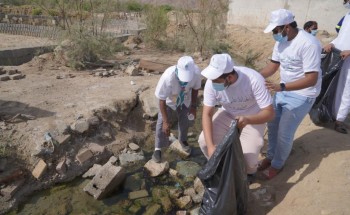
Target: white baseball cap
278,18
219,64
185,68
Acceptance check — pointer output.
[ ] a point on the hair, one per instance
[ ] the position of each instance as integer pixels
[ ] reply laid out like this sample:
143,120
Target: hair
225,75
308,24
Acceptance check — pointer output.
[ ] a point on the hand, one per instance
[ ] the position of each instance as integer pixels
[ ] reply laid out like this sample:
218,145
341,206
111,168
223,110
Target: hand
328,48
166,128
242,121
345,54
272,87
211,150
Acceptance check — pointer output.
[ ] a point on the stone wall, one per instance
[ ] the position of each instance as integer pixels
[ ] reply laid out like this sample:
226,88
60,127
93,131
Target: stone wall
256,13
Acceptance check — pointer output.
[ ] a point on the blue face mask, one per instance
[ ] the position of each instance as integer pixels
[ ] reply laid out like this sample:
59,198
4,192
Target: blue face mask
279,38
314,32
347,5
219,86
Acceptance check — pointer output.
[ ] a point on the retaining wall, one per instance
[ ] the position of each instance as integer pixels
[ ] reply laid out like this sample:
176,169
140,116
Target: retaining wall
256,13
14,57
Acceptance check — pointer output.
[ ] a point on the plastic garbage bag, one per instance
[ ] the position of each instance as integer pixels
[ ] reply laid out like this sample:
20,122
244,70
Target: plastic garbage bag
322,110
224,178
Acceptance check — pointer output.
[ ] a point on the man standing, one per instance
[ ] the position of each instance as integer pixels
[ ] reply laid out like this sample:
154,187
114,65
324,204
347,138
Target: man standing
342,99
177,91
298,56
243,96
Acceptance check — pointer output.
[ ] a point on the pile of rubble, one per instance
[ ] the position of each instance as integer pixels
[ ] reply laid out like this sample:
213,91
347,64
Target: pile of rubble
10,74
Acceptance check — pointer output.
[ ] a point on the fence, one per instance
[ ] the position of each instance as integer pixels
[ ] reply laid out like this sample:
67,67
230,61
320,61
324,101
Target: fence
31,30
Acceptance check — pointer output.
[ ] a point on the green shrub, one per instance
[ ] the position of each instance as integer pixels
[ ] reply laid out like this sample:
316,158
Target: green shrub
134,6
157,22
37,12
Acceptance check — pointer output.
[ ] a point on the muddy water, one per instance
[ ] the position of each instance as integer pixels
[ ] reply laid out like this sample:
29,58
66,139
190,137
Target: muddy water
71,199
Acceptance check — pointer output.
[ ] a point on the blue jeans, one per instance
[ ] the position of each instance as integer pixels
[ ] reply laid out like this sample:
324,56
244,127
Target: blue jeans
290,110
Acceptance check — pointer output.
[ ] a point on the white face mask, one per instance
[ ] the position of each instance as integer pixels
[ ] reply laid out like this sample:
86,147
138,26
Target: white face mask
347,5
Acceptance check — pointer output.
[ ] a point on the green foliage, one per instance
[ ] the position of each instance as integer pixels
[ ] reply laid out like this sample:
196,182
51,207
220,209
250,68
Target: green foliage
134,6
166,7
15,2
220,47
157,22
37,11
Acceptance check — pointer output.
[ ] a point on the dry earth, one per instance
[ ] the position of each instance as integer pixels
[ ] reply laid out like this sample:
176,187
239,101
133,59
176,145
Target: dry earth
315,180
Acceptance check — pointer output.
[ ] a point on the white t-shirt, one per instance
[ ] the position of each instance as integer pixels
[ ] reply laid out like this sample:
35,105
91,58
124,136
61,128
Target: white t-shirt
247,96
342,42
168,87
297,57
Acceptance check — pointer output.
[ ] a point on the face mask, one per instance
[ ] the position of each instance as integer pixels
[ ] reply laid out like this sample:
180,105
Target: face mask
314,32
219,86
347,5
279,38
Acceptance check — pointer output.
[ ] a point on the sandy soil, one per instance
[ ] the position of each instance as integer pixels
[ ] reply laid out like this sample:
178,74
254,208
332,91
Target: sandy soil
19,41
315,179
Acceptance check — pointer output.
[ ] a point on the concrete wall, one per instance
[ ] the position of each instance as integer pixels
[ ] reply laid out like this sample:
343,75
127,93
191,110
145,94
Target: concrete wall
256,13
14,57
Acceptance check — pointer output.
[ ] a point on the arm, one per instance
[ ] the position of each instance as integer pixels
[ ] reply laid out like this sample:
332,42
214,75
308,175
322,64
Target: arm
263,116
207,124
270,69
345,54
309,80
193,107
166,125
328,48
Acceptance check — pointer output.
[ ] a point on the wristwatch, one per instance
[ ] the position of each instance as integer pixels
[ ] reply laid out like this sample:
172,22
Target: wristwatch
283,86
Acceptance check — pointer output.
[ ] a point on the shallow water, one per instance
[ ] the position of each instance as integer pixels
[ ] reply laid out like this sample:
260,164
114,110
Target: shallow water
70,198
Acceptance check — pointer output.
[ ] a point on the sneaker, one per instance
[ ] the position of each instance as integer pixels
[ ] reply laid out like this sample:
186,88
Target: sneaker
185,147
157,156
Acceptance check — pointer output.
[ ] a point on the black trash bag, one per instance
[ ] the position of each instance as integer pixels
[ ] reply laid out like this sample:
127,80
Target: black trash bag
322,110
224,178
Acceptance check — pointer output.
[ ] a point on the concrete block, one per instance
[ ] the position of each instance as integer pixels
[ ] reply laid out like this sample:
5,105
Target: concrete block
11,189
96,148
84,155
39,169
105,181
12,71
63,139
61,167
4,77
138,194
16,76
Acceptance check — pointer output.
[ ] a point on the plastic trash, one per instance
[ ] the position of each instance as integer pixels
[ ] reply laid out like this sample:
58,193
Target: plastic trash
224,178
322,110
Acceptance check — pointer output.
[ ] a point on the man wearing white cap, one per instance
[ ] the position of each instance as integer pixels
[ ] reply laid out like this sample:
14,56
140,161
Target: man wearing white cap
243,96
342,99
298,56
177,91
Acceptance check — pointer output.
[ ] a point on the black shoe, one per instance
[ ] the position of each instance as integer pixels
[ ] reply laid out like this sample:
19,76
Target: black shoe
157,156
340,127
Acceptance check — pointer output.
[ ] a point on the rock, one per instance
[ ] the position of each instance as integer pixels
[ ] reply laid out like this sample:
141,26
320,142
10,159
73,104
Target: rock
195,211
150,103
138,194
96,148
198,186
116,147
93,121
105,74
188,168
62,127
113,160
175,193
16,76
134,146
132,70
92,171
4,77
181,212
183,202
127,158
11,189
143,201
105,181
80,126
156,169
61,167
176,146
134,182
166,203
152,210
134,209
173,172
12,71
62,139
190,192
39,169
84,155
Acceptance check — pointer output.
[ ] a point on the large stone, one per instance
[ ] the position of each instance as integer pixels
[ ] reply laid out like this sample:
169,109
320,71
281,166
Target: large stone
92,171
132,70
62,138
80,126
198,186
61,167
176,146
16,76
39,169
183,202
4,77
116,147
127,158
84,155
152,66
96,148
152,209
138,194
188,168
156,169
150,103
105,181
134,182
134,146
11,189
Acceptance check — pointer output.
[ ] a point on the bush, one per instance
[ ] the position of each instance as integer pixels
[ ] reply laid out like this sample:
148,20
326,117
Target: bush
157,22
134,6
37,12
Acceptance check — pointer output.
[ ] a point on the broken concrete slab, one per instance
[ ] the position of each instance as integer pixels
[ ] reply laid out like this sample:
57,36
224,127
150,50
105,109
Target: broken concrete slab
62,139
92,171
96,148
9,191
80,126
176,146
105,181
84,155
138,194
150,103
156,169
61,167
39,169
134,146
128,158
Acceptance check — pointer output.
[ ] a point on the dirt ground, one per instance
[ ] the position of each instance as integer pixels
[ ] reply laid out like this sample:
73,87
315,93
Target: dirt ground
315,179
